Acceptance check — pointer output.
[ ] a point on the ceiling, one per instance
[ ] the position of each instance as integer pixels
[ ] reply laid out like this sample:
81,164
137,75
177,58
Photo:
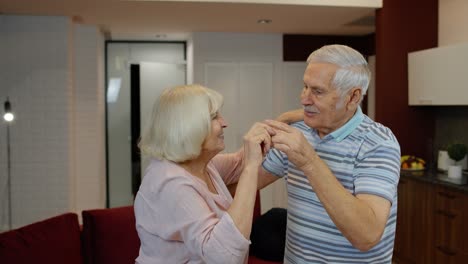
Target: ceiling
153,20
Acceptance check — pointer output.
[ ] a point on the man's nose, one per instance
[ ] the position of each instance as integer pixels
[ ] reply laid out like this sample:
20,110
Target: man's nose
305,97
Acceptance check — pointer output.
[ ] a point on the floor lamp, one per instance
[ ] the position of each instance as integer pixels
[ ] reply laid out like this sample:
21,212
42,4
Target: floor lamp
9,117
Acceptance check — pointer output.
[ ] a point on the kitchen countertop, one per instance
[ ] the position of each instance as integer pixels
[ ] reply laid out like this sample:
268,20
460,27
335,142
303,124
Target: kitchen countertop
434,177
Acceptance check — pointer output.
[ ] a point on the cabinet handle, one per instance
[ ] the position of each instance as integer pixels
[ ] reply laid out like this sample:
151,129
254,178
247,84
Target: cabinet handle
446,251
447,214
447,195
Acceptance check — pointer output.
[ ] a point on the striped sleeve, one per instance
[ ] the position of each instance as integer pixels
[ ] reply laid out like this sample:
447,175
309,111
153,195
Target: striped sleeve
378,169
276,163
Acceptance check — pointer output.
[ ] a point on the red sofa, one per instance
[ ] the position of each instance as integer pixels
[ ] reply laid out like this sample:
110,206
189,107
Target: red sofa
107,236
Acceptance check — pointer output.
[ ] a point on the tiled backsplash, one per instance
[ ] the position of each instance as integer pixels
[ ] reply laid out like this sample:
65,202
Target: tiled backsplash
451,125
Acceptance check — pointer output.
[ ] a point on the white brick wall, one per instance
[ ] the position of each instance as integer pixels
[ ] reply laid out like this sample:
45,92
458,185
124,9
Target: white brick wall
89,144
36,73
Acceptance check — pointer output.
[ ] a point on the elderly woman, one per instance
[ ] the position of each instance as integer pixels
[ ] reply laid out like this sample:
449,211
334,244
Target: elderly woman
184,211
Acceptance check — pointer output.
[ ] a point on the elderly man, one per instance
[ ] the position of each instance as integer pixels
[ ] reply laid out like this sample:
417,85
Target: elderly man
342,168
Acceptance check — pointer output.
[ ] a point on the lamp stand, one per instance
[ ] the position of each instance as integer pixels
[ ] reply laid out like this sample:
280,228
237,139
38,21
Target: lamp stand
9,177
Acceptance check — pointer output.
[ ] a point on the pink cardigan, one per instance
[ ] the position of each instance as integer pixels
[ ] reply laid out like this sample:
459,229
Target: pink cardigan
180,221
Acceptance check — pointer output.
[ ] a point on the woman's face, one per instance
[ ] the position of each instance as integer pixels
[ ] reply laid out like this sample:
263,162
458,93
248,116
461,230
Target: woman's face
214,142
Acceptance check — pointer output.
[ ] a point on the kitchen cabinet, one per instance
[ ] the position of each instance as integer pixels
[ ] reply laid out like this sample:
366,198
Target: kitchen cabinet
413,240
432,223
438,76
451,217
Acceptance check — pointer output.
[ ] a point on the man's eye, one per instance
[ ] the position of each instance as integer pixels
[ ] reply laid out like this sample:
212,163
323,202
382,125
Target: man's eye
317,91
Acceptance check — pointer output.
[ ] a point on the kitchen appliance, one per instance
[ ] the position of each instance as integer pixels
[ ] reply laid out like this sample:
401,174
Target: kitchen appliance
443,161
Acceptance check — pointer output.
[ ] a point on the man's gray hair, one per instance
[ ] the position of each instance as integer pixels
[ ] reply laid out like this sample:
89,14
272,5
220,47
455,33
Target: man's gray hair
353,70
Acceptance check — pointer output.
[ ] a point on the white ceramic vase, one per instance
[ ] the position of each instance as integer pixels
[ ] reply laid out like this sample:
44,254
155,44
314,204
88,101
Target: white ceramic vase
455,171
462,163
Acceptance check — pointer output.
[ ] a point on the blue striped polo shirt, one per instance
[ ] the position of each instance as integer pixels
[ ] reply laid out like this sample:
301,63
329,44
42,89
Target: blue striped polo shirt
365,157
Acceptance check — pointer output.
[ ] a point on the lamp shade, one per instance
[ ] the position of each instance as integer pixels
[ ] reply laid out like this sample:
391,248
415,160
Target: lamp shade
8,116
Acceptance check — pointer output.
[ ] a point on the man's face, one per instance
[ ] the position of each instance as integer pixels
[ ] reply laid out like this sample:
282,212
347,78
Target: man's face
320,99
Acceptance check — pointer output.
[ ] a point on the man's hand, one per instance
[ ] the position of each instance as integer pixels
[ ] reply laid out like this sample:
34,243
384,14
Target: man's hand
293,143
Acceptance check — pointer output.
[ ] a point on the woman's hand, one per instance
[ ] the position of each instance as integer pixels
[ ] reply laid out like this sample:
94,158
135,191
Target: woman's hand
257,142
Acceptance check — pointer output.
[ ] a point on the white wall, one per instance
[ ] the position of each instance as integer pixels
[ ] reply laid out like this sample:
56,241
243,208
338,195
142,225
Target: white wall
88,185
453,18
56,101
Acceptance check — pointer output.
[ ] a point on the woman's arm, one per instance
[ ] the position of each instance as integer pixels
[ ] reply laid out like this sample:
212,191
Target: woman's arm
291,116
256,142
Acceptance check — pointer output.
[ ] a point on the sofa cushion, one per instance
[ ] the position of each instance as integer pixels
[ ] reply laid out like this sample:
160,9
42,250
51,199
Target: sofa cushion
53,241
110,236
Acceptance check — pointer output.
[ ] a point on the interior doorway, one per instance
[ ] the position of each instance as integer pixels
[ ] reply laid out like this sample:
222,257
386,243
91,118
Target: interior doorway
136,73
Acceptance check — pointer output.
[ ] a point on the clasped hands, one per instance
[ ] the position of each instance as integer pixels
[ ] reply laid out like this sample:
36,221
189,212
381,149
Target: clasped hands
270,133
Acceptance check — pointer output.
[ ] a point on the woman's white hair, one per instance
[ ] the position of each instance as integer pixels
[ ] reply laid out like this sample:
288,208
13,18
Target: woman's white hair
353,70
180,122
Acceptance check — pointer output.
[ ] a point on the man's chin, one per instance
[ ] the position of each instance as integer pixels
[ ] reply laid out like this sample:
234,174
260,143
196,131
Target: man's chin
310,122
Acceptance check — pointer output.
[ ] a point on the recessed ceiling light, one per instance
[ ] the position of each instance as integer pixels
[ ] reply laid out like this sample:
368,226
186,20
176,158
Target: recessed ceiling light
264,21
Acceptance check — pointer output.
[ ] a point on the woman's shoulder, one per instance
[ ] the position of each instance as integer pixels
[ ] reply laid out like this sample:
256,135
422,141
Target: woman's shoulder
161,175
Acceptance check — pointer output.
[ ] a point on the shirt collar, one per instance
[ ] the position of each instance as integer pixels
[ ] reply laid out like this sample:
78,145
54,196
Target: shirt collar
342,132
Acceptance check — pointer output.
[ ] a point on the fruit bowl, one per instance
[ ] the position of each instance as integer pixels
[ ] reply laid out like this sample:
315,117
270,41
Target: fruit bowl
412,169
412,163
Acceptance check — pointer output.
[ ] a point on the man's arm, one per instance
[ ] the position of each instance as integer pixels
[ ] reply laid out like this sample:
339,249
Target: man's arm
265,178
361,218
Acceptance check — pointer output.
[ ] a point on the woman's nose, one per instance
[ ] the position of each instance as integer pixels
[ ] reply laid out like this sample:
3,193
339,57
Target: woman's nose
223,122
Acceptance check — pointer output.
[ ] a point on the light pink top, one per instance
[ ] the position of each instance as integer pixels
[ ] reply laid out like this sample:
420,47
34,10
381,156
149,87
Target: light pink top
180,221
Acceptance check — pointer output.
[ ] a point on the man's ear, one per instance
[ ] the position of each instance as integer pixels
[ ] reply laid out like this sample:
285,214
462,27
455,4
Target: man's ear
354,97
